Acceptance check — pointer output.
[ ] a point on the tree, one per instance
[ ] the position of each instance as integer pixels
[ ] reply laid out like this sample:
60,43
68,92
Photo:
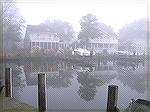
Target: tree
127,45
135,35
89,29
1,30
106,29
12,25
62,29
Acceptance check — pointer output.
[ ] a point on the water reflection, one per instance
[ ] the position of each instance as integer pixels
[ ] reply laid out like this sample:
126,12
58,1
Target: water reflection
61,80
58,74
133,75
87,90
93,77
18,80
83,82
127,65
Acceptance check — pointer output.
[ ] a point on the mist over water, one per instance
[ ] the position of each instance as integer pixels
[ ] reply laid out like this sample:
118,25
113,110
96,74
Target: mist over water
72,86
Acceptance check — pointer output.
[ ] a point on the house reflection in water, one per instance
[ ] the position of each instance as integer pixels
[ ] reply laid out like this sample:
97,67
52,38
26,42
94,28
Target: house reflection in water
57,74
94,77
72,86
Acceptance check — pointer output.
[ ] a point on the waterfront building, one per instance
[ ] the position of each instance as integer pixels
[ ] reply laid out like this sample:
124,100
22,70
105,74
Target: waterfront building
42,37
106,43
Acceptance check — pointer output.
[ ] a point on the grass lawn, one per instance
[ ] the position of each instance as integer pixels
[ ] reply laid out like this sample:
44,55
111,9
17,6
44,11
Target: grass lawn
8,104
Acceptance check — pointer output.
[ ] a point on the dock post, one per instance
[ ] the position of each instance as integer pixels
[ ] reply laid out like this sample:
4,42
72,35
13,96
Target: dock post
41,92
112,98
8,82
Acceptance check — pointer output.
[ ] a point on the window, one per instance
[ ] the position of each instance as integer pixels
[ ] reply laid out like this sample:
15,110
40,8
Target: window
37,44
96,45
49,45
100,45
111,45
106,45
33,44
56,45
45,45
105,68
89,45
53,45
61,45
41,44
111,68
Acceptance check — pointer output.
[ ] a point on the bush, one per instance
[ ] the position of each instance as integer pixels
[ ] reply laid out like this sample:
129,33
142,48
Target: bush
36,51
51,52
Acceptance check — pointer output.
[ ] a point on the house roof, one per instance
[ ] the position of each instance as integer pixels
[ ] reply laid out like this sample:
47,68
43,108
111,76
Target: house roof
108,34
107,31
37,28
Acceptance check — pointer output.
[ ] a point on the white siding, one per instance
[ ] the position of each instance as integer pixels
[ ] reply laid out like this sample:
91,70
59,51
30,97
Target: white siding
100,44
97,40
43,37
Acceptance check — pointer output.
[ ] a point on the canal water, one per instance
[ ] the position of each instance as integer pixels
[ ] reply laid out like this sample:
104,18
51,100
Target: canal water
73,86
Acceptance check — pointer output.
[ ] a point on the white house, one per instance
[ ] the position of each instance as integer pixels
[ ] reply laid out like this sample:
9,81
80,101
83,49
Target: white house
41,36
107,43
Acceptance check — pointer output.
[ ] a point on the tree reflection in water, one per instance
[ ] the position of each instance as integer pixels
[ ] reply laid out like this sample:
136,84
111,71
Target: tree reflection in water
60,80
87,90
18,81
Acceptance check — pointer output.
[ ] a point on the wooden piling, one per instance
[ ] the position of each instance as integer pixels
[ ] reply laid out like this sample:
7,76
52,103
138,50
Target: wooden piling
112,98
41,92
8,82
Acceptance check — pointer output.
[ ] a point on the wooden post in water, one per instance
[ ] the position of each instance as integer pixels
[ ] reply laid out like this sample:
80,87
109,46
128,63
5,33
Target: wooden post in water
8,82
112,98
41,92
